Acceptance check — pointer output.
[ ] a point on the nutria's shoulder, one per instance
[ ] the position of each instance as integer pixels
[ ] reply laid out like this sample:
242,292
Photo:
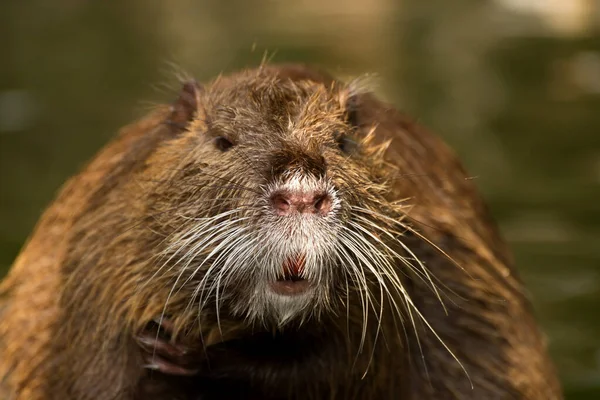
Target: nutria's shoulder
30,293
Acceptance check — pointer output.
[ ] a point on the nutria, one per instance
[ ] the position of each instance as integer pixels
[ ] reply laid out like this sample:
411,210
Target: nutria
275,234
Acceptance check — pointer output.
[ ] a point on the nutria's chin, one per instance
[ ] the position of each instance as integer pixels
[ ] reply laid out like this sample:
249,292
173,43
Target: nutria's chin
275,234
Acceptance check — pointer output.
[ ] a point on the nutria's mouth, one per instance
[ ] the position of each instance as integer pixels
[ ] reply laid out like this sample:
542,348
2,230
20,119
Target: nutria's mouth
291,281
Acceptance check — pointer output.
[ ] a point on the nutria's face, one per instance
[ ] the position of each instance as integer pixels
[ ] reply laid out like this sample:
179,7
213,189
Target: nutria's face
270,205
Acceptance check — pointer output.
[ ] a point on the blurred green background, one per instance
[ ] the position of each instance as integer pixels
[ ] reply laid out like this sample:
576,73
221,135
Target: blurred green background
512,85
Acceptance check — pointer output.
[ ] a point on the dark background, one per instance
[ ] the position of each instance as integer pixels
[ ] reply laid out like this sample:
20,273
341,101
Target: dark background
512,85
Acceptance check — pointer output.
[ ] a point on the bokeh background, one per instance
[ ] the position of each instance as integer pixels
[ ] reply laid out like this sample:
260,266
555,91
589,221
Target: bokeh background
512,85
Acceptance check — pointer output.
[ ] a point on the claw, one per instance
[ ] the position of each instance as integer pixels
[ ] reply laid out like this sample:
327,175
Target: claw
157,363
152,344
160,354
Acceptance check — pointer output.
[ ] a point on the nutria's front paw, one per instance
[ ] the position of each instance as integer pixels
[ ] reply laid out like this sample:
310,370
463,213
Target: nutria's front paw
160,354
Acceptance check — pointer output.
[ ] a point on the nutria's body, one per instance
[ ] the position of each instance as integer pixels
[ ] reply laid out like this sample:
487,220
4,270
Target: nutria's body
309,184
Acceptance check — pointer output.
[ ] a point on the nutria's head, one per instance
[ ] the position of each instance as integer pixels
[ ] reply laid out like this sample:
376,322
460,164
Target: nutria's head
269,203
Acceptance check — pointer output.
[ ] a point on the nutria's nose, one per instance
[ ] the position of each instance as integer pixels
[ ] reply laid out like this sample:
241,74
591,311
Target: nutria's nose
287,203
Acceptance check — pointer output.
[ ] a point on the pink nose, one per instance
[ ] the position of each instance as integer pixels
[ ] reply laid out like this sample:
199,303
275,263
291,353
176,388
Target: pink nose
287,203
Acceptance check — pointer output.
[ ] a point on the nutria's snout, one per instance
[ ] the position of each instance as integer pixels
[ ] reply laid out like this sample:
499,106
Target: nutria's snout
303,195
300,207
302,202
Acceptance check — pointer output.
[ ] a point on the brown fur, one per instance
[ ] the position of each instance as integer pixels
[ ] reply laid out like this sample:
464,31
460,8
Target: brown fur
89,278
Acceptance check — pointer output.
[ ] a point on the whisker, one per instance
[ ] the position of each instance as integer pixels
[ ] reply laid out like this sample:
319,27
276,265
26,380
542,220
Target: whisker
424,275
385,264
412,230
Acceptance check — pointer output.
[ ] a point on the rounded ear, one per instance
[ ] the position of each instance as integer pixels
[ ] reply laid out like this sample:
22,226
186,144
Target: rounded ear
351,105
186,107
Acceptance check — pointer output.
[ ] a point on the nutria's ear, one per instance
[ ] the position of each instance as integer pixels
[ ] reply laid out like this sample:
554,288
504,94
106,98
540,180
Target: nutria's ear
186,107
351,106
350,101
355,96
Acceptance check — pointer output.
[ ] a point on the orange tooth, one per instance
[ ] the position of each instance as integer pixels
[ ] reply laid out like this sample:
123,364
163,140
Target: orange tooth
294,265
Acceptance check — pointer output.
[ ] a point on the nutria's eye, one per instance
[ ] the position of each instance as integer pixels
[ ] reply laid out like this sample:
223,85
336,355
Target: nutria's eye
223,143
347,144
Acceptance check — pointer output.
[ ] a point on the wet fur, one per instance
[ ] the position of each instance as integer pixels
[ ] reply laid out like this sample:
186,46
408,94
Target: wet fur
446,318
